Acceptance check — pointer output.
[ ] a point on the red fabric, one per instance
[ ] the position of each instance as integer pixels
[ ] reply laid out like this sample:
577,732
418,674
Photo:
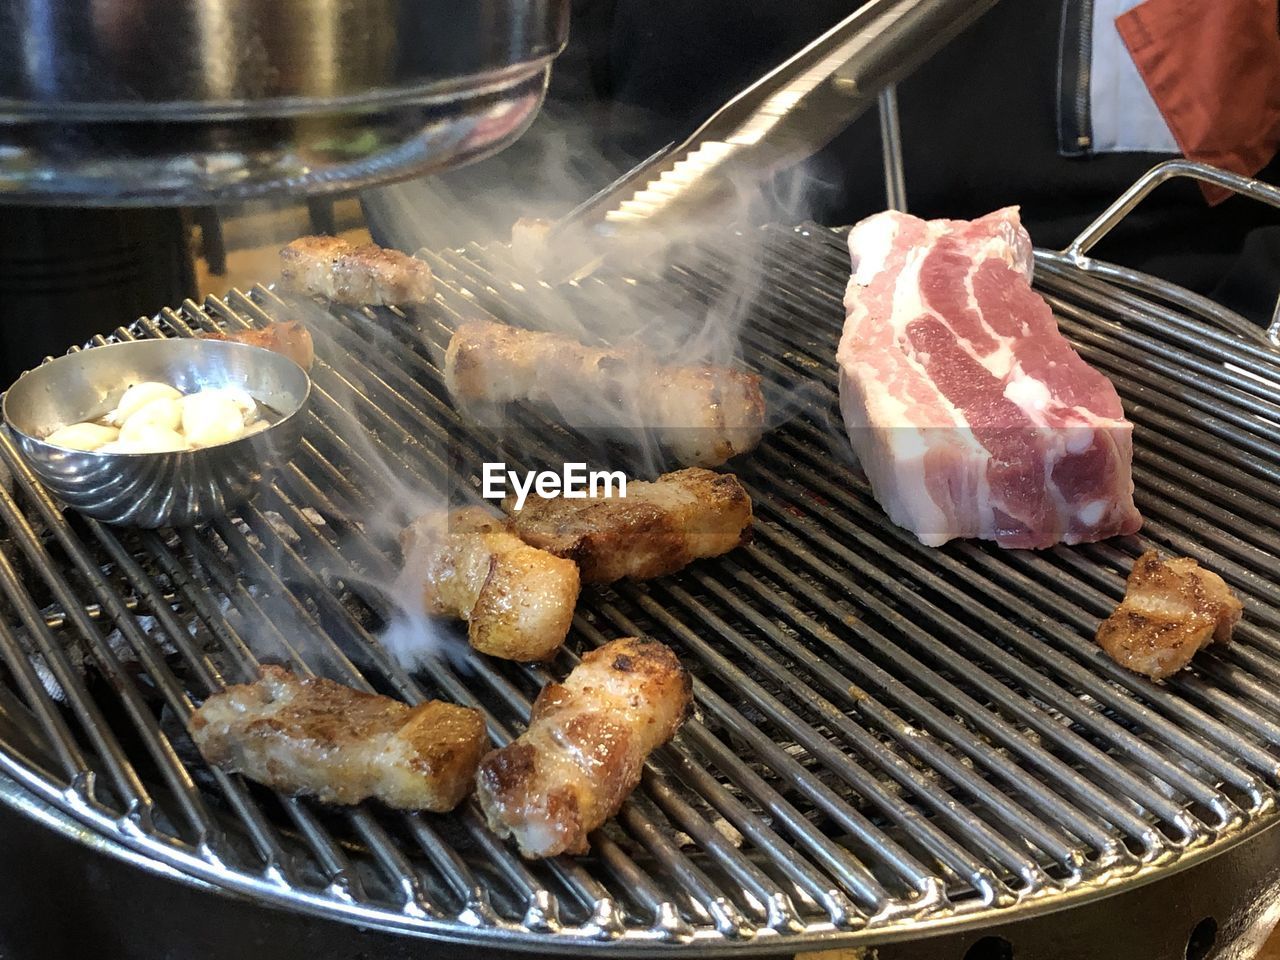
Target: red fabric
1213,68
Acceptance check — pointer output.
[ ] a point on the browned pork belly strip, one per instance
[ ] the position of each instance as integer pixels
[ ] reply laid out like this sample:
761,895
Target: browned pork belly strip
288,337
586,744
529,240
517,600
1172,609
703,414
335,269
656,529
313,736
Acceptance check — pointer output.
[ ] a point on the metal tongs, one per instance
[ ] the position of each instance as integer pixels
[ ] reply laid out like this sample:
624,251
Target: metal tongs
781,119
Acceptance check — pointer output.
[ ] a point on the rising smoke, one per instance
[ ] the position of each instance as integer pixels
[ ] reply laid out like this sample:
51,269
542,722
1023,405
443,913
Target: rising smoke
559,163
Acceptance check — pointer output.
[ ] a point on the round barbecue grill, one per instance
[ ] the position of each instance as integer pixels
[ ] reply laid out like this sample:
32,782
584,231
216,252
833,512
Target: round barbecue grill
890,740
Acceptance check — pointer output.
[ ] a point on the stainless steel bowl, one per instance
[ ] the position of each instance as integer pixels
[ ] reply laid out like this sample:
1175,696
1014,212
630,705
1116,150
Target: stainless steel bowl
119,102
155,489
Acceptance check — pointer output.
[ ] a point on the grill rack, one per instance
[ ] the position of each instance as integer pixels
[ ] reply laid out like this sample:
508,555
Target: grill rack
848,776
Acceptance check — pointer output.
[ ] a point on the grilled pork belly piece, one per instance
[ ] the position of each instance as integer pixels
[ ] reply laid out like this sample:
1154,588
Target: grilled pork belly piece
332,268
971,414
314,736
656,529
529,240
289,338
517,600
703,414
585,746
1171,609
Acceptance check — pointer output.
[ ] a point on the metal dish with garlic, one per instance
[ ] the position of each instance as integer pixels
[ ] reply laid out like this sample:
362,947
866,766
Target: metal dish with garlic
154,417
156,433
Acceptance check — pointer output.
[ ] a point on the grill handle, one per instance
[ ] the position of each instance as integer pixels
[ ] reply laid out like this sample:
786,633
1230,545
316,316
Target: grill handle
781,119
1077,252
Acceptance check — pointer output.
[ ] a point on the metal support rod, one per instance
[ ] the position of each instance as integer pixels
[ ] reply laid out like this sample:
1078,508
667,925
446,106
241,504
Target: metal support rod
895,181
1169,170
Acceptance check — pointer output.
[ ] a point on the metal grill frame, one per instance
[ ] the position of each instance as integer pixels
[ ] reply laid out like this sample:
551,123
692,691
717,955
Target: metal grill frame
916,790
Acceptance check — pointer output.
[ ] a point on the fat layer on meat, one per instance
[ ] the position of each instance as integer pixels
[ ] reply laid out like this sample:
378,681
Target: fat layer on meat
970,413
703,414
656,529
1172,609
517,600
586,744
313,736
335,269
288,337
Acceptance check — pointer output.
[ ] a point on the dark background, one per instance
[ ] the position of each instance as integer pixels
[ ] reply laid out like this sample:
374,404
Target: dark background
979,131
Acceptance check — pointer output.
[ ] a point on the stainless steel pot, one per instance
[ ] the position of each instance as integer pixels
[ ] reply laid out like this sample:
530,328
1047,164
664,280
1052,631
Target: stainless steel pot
195,101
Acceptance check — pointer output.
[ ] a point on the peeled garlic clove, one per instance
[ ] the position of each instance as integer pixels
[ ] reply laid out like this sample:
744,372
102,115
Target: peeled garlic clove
148,438
82,436
248,406
210,418
162,412
138,396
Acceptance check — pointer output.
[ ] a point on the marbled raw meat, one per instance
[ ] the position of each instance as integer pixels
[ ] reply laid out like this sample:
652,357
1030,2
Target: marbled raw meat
969,411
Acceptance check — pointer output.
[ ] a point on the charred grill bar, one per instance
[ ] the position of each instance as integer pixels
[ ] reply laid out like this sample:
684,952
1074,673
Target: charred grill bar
889,738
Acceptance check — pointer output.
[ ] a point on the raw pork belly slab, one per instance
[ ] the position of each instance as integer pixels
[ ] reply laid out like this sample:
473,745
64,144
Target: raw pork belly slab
970,413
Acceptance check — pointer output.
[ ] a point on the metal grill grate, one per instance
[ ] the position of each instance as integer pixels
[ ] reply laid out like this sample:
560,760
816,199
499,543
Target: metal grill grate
887,735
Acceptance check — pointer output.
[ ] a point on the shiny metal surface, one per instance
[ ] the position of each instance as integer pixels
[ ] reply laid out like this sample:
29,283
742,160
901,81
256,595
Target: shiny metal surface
1077,252
155,489
890,740
783,118
895,179
1237,889
196,101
